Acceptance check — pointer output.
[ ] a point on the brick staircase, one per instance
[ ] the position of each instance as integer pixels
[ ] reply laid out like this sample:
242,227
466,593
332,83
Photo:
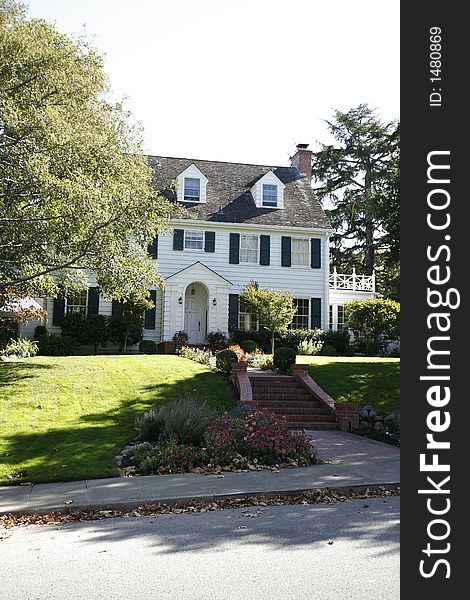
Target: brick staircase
287,396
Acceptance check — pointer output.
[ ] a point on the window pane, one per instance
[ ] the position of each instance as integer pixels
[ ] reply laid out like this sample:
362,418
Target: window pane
301,317
192,188
269,194
193,240
331,317
340,317
249,248
300,252
76,303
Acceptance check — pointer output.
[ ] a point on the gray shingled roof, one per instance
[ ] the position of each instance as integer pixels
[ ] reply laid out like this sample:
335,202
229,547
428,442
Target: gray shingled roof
229,186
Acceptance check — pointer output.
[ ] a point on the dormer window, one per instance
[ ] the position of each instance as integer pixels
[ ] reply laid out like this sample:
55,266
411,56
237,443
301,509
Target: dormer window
269,195
191,185
192,189
268,192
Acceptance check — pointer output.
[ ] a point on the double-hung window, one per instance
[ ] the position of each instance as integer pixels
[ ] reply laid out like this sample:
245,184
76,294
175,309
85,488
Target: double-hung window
76,303
192,189
269,195
193,240
249,248
300,252
340,317
301,317
247,320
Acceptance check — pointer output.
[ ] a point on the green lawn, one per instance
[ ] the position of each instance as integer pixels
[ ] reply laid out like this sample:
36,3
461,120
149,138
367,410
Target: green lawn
362,379
65,418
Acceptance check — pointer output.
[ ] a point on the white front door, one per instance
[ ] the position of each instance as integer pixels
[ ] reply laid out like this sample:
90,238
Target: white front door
195,320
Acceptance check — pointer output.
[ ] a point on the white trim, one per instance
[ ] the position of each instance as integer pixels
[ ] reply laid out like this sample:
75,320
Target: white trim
257,191
191,172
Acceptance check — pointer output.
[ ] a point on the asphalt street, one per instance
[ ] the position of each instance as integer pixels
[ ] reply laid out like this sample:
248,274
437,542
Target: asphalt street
337,551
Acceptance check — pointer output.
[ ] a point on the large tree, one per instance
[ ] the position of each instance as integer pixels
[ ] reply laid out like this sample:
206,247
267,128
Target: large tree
357,176
75,188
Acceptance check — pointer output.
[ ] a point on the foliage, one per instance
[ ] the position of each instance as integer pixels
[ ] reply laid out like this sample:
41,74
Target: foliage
360,176
340,340
86,329
66,418
261,438
284,359
262,337
224,361
184,420
217,340
293,337
39,332
274,309
76,188
150,425
181,339
309,347
377,320
8,329
21,348
147,347
200,356
58,345
127,329
249,346
259,360
329,350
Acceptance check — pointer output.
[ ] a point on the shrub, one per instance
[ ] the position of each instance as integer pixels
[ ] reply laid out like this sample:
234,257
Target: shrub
293,337
309,347
261,337
39,332
238,351
378,321
259,361
58,345
196,354
124,332
249,346
147,347
170,458
328,350
217,340
186,420
340,340
284,359
8,330
21,348
181,339
86,329
224,361
74,325
150,425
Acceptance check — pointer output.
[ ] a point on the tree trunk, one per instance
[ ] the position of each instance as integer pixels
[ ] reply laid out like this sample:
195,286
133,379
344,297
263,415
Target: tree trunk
272,344
369,253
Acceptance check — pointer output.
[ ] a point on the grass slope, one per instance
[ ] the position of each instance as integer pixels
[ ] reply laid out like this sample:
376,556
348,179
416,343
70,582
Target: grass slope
362,379
65,418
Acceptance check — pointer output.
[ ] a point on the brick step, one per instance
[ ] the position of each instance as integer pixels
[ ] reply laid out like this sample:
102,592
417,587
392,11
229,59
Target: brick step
296,410
310,403
286,397
293,391
311,418
272,381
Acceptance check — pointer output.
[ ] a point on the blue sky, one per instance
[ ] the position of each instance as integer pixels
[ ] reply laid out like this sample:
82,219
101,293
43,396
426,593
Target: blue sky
240,81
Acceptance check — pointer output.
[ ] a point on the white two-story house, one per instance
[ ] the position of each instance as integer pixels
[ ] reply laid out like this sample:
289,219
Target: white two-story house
245,223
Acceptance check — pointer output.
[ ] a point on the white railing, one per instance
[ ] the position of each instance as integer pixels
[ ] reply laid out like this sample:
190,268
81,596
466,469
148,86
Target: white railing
357,283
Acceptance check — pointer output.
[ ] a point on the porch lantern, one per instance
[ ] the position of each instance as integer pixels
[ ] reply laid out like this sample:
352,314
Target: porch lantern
214,301
180,300
193,290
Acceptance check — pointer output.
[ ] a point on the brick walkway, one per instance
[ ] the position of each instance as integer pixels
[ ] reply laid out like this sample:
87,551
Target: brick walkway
341,447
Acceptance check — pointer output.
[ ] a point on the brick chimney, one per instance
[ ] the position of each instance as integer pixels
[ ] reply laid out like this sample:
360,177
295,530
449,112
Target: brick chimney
302,159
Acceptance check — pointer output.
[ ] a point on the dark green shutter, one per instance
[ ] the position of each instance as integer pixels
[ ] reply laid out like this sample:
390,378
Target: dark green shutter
93,300
234,251
315,253
58,311
233,300
116,308
264,249
286,243
152,248
149,319
178,239
315,312
209,241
